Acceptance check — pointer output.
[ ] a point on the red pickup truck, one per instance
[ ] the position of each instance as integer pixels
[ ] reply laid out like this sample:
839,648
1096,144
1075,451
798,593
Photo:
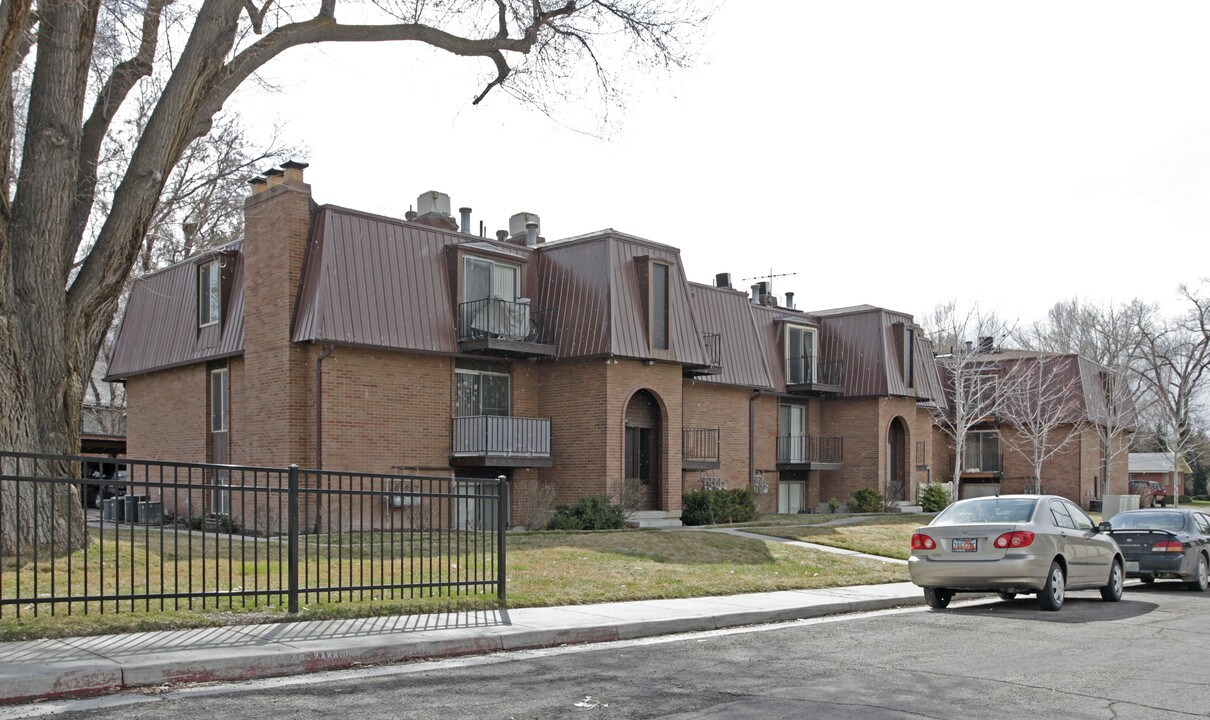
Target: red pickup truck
1150,493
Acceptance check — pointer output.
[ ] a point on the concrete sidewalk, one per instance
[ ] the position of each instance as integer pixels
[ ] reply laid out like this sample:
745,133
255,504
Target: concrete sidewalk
106,664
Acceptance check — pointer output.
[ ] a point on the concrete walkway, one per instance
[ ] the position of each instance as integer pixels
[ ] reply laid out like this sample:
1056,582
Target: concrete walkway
107,664
801,544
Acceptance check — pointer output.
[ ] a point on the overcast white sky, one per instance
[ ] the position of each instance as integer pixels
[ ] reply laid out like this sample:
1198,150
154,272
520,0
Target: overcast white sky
894,153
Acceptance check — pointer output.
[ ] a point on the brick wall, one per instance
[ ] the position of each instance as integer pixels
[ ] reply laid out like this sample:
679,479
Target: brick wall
168,415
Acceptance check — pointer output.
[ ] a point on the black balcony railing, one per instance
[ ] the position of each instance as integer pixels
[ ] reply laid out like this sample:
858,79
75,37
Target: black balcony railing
699,444
501,436
499,319
714,349
810,370
804,449
980,462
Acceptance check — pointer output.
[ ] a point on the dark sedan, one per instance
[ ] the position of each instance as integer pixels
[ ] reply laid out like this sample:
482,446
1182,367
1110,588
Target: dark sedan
1165,544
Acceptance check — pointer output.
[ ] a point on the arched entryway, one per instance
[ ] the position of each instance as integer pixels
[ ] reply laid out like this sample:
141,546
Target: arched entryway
897,461
642,456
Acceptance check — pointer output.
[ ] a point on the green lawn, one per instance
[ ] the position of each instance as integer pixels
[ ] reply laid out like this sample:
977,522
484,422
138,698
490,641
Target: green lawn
543,569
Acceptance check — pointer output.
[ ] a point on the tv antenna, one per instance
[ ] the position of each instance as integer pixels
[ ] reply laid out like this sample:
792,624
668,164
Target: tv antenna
770,277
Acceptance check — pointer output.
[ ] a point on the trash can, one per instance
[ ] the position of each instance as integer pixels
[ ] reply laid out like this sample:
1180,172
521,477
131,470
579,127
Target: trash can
151,513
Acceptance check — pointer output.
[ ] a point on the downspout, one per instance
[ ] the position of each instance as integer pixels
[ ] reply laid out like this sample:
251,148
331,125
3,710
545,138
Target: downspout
752,436
319,406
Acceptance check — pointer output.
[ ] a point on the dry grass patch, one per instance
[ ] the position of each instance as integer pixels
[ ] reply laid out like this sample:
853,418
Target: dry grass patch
883,535
546,569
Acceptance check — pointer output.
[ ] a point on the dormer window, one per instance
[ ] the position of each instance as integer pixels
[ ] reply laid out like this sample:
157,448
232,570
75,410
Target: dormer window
801,352
209,299
655,283
483,278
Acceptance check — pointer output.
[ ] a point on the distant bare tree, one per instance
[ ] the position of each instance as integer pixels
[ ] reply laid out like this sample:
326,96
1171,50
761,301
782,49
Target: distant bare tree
1174,364
1107,335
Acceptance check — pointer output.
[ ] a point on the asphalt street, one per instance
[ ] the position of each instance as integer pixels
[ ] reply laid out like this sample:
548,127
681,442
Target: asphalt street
1146,657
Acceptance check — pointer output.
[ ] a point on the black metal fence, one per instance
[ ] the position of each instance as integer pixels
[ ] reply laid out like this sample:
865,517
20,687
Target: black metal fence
172,536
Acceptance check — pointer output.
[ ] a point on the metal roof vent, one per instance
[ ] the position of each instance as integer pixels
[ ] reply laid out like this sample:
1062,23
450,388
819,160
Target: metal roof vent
518,223
433,202
722,280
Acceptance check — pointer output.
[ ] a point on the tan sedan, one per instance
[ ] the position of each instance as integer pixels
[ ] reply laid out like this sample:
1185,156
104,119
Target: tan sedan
1015,544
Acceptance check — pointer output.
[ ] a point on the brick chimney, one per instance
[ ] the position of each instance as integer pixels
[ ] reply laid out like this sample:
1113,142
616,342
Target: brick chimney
273,392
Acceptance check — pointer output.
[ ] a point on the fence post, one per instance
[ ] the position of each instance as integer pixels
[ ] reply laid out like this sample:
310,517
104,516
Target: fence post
501,536
292,540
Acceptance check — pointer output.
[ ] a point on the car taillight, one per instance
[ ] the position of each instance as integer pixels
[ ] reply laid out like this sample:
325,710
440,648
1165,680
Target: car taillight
920,541
1018,539
1168,546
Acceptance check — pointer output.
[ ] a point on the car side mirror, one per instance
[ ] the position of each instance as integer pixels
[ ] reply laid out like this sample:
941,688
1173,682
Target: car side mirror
1104,526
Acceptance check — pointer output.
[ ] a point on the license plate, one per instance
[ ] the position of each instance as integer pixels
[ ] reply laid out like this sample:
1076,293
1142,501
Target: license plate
964,545
1132,567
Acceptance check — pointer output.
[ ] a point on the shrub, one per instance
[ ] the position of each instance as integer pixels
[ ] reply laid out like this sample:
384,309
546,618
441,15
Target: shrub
866,500
833,505
590,513
710,507
934,498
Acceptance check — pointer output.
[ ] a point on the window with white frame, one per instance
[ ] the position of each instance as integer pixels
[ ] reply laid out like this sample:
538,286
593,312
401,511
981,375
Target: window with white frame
219,400
209,300
801,354
483,278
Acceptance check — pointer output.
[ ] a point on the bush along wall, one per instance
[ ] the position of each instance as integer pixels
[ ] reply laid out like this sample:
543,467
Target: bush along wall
590,513
866,500
712,507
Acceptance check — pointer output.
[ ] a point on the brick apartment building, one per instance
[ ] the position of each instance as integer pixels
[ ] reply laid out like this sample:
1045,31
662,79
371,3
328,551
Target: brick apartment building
997,456
337,339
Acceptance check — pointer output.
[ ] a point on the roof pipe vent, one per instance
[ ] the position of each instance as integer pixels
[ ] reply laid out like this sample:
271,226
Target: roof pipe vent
756,294
531,234
790,300
502,235
465,214
518,222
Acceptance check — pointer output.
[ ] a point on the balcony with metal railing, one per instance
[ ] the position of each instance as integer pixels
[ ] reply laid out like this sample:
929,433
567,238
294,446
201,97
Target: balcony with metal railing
980,463
810,375
495,326
699,448
713,343
810,452
501,441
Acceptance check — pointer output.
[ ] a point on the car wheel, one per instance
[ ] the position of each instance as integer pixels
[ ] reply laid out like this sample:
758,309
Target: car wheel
938,598
1112,592
1202,578
1007,595
1052,594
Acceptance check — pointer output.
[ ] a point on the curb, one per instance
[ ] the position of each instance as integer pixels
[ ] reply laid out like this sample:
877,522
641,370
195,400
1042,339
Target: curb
24,681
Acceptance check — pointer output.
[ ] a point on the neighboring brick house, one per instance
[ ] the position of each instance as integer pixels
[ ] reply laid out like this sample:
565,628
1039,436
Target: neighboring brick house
1161,468
337,339
997,456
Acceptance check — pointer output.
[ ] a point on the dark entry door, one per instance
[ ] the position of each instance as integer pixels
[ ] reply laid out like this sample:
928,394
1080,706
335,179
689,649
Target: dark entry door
642,452
896,462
